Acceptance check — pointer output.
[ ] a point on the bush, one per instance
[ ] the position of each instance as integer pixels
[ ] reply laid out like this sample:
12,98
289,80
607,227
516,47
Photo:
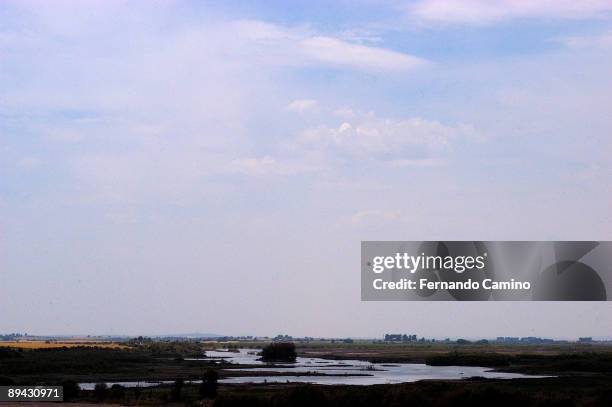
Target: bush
208,388
9,353
117,392
279,351
6,381
71,390
176,389
303,396
100,391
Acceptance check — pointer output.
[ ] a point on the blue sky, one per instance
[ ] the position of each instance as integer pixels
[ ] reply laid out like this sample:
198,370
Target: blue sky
161,162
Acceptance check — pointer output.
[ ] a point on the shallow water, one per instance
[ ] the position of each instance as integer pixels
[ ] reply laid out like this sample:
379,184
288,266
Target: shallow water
357,372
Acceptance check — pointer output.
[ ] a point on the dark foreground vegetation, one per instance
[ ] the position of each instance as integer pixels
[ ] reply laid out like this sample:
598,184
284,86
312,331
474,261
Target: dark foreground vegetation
584,377
159,361
593,362
589,391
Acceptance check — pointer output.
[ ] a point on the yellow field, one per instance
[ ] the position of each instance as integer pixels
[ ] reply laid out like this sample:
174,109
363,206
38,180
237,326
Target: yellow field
59,344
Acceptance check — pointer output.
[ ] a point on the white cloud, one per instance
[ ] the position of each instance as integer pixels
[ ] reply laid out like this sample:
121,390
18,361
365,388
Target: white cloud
345,113
302,105
368,134
345,127
344,54
254,166
261,31
490,11
296,46
399,143
602,40
360,36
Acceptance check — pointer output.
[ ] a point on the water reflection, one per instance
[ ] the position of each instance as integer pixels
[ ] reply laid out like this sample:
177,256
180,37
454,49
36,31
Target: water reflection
356,372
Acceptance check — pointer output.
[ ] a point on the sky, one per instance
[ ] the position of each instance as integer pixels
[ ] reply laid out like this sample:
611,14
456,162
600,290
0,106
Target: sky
186,166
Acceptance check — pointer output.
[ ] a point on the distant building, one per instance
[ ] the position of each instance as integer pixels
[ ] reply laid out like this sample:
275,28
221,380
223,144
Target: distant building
585,339
401,338
536,340
393,337
508,339
527,339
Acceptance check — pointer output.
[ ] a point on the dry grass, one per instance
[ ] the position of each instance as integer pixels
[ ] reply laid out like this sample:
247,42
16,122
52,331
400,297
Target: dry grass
60,344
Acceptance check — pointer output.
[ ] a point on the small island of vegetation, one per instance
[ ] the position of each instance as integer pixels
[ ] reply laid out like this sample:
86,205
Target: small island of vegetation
279,352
